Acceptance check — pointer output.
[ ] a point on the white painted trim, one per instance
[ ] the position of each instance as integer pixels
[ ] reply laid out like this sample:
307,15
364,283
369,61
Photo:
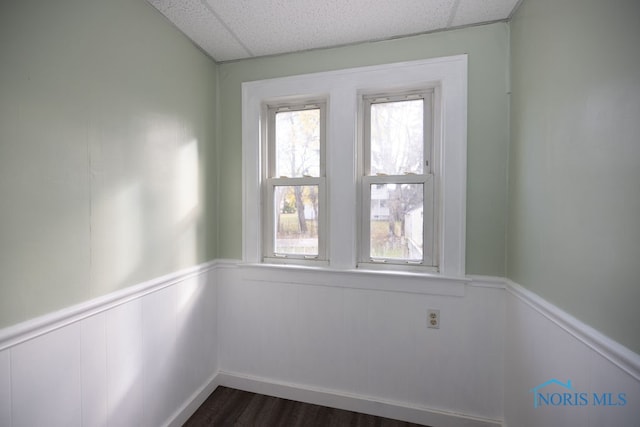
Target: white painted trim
353,402
613,351
38,326
192,404
487,281
226,263
341,88
388,280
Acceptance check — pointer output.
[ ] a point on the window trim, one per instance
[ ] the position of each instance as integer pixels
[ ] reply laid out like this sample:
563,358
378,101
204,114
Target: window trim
341,89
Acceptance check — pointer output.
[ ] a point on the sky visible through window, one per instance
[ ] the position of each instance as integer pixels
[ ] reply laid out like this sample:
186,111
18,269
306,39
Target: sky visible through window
397,137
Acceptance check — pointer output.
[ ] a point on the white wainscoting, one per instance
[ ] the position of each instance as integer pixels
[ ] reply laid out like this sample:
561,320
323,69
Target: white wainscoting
543,343
149,355
326,338
144,356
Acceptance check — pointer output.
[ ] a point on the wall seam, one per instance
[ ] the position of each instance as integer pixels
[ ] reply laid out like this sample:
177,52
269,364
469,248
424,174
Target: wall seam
90,184
10,353
508,154
216,152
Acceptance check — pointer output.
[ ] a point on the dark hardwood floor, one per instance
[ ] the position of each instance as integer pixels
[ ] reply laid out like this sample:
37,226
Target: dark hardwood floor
230,407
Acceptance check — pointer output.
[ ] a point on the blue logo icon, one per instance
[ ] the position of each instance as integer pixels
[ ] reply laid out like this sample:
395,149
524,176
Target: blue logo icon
571,397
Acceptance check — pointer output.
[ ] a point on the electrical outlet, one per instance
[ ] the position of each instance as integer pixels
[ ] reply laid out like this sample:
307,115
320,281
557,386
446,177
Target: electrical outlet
433,318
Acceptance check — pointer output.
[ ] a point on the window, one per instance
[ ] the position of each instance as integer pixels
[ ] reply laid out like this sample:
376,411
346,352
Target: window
398,222
294,182
358,168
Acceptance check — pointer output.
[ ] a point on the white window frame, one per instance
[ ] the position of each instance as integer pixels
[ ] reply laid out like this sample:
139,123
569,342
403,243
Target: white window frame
271,181
428,179
342,89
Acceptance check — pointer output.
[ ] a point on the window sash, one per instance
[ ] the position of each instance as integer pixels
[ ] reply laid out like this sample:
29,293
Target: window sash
429,230
427,179
270,253
271,111
427,123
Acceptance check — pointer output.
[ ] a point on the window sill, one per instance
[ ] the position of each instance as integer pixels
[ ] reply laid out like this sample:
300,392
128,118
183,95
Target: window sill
376,280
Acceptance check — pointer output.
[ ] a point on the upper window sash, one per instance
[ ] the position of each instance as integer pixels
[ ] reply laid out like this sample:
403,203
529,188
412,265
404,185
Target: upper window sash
425,96
272,168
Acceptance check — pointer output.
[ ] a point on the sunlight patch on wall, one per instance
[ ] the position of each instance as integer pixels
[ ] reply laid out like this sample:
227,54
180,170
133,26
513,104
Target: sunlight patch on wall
187,180
187,202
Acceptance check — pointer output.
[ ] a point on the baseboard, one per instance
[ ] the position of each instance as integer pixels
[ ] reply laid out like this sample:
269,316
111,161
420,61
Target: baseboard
193,403
616,353
353,402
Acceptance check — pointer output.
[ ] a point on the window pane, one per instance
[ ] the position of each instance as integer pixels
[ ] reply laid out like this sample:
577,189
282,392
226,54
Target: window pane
298,143
396,221
397,143
296,219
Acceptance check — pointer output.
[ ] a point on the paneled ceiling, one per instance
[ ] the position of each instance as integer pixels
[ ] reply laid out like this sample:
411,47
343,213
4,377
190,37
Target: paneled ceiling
235,29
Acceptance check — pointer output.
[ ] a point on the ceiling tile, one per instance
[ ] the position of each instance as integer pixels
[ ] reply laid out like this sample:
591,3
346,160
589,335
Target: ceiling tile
236,29
478,11
277,26
196,20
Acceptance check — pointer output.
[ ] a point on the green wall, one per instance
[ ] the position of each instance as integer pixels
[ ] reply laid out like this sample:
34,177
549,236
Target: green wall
111,160
574,179
487,47
106,132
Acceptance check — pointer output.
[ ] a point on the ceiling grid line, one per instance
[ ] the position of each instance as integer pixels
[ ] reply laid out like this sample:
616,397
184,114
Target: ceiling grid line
454,11
231,30
206,4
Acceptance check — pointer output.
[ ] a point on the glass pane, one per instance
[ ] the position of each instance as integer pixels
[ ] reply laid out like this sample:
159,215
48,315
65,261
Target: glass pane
298,143
397,143
296,219
396,221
